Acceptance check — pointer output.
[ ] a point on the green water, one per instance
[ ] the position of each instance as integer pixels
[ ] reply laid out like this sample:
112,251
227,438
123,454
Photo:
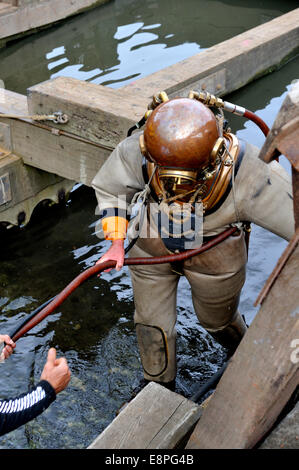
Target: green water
93,328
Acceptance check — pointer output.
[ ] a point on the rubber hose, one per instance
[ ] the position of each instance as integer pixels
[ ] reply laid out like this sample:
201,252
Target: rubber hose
211,383
257,120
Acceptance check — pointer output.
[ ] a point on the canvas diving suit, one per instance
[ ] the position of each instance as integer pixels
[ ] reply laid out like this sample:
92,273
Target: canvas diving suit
257,192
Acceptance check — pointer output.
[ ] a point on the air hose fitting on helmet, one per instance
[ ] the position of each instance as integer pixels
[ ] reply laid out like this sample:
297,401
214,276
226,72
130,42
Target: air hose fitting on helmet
210,100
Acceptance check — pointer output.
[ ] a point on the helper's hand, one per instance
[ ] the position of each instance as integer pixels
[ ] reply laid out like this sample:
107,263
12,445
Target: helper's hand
116,253
56,371
8,349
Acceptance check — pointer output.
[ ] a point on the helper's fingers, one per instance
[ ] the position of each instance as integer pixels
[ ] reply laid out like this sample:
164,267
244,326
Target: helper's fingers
52,356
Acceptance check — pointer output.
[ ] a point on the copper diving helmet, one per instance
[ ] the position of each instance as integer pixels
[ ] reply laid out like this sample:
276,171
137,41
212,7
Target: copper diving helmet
181,137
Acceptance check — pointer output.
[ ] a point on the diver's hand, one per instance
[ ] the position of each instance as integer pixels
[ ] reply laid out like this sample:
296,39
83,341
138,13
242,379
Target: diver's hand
116,253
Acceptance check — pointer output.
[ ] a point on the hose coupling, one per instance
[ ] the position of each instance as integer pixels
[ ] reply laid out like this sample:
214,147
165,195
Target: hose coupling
206,98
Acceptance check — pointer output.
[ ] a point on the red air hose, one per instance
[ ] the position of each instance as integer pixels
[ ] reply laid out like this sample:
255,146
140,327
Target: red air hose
97,268
257,120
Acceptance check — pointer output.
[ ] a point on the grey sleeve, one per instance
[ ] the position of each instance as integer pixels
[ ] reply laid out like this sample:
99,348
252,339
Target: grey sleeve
264,195
120,177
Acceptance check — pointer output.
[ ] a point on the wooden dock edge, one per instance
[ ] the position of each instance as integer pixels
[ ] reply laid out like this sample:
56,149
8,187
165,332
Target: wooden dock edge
155,419
25,18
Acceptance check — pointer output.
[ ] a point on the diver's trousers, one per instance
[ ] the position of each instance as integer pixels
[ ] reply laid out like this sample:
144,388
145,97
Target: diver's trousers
216,278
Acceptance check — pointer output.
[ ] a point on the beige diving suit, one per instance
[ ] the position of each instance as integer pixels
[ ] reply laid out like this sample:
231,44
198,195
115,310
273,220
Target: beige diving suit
247,190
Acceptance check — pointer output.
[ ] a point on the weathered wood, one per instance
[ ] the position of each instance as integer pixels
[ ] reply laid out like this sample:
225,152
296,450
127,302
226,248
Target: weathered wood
6,8
97,113
228,65
62,155
155,419
283,138
261,376
33,14
103,115
23,187
288,116
11,102
58,154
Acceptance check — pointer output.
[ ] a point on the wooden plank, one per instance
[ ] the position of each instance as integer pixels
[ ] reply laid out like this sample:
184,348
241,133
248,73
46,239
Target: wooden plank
97,113
6,8
41,146
33,14
22,186
155,419
238,61
5,138
58,154
261,376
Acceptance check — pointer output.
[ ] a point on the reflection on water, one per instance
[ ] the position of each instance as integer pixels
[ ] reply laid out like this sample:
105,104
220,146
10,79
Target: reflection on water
93,328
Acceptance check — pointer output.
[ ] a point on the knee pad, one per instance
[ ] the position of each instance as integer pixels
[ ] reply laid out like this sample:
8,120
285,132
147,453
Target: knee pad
153,348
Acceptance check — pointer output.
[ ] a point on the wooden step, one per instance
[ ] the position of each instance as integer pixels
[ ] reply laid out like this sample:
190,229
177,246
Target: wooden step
155,419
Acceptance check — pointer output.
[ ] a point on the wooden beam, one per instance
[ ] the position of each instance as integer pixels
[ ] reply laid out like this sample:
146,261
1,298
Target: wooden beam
33,14
97,113
262,374
63,155
58,154
103,115
155,419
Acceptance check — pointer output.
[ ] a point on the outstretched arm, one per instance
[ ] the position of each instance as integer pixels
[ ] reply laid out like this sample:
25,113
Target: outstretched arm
18,411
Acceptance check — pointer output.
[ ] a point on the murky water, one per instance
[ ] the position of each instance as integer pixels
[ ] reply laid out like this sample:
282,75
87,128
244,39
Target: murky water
112,45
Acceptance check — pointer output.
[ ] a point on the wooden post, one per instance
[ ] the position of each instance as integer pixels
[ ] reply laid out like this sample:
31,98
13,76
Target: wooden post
262,374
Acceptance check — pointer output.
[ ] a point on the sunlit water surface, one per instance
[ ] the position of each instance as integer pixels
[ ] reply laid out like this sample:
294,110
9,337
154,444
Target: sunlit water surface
113,45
